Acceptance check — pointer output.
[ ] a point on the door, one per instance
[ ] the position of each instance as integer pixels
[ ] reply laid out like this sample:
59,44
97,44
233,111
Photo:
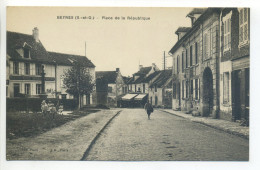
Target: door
236,102
207,92
16,90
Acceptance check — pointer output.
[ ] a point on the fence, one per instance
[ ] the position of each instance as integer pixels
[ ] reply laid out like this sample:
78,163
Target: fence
34,104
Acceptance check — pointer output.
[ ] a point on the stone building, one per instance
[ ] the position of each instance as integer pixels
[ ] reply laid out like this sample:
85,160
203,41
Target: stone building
196,64
211,64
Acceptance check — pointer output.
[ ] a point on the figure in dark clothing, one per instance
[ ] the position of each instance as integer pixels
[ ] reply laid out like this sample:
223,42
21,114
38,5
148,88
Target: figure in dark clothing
149,108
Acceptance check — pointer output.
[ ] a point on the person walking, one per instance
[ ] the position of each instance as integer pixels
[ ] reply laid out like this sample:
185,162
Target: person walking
149,108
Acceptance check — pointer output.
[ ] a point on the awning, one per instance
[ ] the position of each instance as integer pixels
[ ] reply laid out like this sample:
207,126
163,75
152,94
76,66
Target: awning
129,96
140,96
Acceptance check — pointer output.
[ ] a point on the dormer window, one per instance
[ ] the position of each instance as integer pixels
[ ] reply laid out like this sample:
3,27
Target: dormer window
26,53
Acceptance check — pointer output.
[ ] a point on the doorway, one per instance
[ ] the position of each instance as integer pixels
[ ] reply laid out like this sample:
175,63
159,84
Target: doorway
207,92
16,89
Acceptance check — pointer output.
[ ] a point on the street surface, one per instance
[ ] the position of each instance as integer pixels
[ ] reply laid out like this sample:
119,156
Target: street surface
132,137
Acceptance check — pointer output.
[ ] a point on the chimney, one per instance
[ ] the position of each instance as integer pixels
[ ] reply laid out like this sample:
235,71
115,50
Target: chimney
35,33
117,69
153,65
140,66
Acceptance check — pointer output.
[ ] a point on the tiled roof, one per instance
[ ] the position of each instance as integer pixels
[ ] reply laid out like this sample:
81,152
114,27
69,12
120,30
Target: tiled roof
151,76
162,78
17,41
68,59
109,76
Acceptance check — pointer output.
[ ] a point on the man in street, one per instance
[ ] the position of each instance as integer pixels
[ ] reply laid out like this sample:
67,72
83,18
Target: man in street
149,109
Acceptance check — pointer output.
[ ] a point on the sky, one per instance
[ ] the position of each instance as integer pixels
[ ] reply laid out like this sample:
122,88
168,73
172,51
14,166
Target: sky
110,44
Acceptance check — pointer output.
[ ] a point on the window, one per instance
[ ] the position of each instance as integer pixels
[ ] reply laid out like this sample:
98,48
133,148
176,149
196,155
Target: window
143,88
227,34
155,88
191,88
186,59
16,67
38,69
196,53
182,89
27,89
243,26
109,90
27,68
190,55
130,87
187,89
26,53
226,87
177,64
156,100
135,87
174,90
139,89
38,88
182,61
205,46
196,89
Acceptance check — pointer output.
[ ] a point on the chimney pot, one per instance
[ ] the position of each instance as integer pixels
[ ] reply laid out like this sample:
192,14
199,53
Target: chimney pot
117,69
140,66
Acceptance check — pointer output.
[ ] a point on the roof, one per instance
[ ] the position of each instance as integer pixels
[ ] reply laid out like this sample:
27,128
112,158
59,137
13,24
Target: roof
68,59
144,70
109,76
183,29
151,76
162,78
194,27
197,11
17,41
126,79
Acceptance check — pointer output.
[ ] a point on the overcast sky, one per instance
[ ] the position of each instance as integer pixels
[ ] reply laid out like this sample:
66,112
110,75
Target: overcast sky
110,43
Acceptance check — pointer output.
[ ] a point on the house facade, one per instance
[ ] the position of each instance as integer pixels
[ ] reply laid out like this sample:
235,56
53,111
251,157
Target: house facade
211,64
160,89
29,66
110,87
195,65
32,71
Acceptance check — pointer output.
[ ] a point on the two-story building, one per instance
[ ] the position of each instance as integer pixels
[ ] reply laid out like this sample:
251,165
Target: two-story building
195,64
234,64
31,68
32,71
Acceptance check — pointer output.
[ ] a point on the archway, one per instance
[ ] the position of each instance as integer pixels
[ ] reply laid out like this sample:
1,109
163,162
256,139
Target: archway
207,92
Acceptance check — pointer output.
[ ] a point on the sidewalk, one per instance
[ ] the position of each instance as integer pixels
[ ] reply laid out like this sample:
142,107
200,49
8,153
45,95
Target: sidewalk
67,142
224,125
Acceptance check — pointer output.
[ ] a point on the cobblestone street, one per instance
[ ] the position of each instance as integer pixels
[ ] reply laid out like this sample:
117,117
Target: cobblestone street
132,137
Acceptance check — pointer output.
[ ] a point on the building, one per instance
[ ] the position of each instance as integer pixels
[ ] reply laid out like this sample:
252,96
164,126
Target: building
31,68
139,82
234,64
196,64
211,64
32,71
110,87
160,92
63,62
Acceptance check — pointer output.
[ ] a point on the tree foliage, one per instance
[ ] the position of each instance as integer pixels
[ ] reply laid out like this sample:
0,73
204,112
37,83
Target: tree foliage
78,80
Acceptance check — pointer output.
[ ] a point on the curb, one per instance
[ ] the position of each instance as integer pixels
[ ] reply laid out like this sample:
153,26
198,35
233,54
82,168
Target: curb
86,153
212,126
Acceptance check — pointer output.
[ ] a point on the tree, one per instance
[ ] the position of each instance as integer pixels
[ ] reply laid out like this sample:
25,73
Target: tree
78,81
